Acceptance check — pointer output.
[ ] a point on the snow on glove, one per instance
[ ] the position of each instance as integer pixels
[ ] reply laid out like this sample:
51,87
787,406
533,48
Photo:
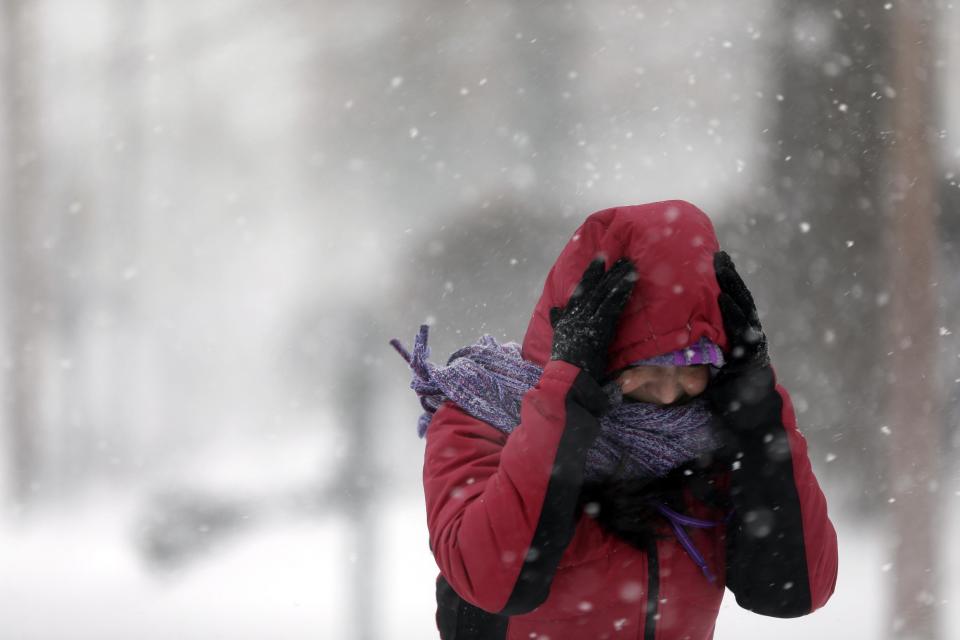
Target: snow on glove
585,327
746,378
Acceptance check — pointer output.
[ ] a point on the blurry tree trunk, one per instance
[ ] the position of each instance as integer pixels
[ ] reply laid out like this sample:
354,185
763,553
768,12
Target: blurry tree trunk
25,291
914,408
358,473
94,201
119,342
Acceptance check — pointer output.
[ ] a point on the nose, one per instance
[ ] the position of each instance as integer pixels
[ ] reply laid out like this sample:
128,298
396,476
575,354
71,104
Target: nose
669,391
690,382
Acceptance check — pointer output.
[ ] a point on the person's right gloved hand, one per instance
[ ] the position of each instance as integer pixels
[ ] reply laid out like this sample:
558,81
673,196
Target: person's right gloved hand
585,327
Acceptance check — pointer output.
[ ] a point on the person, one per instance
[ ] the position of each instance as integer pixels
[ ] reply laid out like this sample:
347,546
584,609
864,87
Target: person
632,459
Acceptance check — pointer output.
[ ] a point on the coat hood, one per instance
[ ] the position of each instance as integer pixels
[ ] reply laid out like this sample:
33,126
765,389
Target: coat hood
674,301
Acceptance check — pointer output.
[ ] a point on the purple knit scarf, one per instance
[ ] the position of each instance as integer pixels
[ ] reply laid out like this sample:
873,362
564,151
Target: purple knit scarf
637,439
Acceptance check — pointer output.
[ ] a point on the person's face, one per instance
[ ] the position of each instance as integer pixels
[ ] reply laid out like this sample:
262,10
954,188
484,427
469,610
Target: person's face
664,385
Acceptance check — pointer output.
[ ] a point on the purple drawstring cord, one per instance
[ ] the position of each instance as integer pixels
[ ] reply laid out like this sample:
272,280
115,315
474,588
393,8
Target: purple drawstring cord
677,520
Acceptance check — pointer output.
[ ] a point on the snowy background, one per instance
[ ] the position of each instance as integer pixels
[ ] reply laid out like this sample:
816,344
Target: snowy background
216,214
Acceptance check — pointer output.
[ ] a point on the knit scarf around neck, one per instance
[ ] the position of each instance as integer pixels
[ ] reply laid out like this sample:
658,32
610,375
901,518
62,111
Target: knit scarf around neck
487,380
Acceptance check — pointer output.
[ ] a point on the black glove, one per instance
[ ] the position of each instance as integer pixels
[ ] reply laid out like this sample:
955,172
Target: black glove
746,378
625,508
584,328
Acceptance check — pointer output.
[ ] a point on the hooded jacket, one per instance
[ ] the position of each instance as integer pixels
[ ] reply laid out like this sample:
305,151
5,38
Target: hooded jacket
518,556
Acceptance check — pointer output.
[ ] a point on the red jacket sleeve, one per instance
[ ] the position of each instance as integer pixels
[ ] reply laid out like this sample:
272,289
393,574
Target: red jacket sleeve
500,510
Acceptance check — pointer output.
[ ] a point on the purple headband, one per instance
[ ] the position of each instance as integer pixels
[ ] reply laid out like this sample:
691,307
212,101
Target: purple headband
701,352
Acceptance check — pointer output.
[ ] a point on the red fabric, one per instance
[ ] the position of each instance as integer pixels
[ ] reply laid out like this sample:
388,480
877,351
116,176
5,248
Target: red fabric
674,301
484,491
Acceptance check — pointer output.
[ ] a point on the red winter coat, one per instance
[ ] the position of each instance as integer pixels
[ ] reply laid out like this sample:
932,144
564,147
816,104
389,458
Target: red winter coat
519,560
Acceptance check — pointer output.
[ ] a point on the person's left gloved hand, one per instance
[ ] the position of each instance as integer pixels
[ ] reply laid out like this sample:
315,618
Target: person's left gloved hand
746,378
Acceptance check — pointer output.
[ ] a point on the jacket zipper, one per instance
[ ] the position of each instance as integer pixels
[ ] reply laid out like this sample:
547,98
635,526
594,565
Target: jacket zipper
653,592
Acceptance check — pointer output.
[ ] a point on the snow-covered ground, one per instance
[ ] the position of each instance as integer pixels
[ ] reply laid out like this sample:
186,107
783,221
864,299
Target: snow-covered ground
76,574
